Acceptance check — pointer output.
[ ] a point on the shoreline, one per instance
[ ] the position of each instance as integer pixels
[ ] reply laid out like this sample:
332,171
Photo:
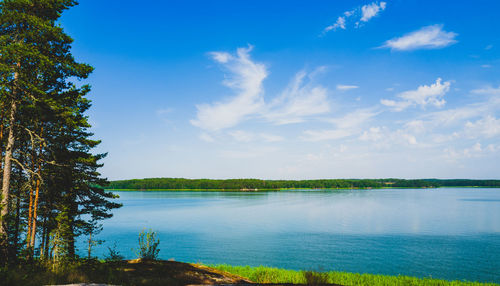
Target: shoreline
291,189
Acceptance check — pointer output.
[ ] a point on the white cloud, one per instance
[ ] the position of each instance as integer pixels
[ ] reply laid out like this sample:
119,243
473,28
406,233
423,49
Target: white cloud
319,135
487,91
221,57
488,127
396,105
346,87
474,151
429,37
471,111
271,137
242,136
245,136
207,138
339,24
416,126
386,138
355,119
373,134
298,101
424,95
371,10
246,79
358,14
346,126
486,66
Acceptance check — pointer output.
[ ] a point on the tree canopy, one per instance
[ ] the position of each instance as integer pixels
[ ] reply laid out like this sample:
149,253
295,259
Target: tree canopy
52,191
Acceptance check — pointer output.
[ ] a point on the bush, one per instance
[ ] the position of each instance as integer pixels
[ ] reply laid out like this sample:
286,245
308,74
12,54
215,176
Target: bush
148,245
113,255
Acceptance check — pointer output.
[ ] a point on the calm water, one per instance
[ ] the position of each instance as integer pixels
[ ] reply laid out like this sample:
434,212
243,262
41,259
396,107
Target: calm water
448,233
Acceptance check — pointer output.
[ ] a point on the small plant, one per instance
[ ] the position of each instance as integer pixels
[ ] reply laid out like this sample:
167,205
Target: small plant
316,278
113,254
148,245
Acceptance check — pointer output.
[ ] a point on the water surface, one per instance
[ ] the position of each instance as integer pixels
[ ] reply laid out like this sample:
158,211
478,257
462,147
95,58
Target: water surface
449,233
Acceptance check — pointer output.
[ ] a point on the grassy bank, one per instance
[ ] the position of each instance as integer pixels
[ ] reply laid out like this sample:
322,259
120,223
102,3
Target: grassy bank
263,274
160,272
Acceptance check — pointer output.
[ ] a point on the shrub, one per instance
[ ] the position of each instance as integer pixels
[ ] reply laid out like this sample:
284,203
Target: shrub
148,245
113,254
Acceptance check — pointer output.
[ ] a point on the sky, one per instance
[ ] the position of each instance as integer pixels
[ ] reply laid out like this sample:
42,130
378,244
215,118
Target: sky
292,89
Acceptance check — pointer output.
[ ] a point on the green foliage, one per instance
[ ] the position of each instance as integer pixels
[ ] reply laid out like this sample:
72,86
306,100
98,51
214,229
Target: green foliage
262,274
148,245
113,254
42,109
252,184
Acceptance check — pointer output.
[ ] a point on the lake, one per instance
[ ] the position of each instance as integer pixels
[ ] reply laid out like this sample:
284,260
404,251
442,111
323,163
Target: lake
448,233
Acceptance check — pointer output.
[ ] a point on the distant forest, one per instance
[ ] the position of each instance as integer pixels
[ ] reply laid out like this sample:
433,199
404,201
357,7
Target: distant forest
251,184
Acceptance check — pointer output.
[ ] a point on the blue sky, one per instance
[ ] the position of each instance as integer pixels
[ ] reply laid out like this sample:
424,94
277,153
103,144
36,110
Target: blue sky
293,89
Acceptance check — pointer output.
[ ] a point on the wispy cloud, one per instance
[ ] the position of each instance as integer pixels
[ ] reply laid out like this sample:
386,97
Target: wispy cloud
345,126
242,136
487,126
246,136
340,23
488,106
357,15
346,87
424,95
163,114
429,37
301,99
320,135
207,138
385,138
246,77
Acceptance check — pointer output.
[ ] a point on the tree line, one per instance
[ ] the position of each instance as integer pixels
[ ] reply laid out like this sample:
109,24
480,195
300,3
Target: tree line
242,184
52,190
251,184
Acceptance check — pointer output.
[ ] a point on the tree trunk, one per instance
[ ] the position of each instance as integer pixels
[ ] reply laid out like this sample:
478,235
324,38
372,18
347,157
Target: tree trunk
90,245
9,149
2,114
33,227
30,215
17,221
37,192
7,170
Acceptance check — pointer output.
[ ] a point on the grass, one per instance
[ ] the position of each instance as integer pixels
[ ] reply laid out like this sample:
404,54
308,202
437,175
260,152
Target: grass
149,272
264,274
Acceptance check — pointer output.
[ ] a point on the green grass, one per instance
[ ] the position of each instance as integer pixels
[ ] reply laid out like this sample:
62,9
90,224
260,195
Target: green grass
264,274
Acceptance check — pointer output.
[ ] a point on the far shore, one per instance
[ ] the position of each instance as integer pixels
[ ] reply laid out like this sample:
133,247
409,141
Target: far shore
292,189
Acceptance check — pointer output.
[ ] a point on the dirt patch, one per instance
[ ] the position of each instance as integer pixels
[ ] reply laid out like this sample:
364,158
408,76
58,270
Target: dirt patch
141,272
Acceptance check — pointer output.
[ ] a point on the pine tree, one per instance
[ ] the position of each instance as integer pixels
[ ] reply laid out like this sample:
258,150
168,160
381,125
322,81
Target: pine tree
44,137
